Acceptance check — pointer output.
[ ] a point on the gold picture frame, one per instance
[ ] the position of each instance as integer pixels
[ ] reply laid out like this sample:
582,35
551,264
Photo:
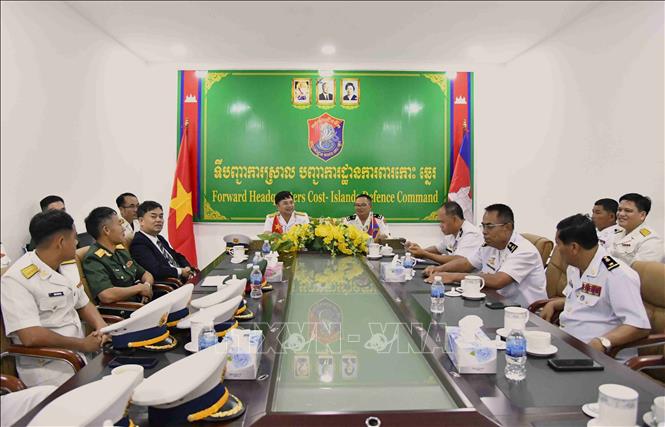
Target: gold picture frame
301,92
325,92
349,90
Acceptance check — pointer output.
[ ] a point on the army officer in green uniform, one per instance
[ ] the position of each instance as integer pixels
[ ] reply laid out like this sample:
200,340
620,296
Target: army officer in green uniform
109,268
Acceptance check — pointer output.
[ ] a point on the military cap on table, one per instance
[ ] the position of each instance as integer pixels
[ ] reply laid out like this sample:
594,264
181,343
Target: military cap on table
221,314
230,289
179,301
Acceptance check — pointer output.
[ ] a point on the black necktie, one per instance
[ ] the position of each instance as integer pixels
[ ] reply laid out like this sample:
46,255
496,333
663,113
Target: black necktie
167,255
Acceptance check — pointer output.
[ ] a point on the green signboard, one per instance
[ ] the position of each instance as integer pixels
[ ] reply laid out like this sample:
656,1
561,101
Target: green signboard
325,139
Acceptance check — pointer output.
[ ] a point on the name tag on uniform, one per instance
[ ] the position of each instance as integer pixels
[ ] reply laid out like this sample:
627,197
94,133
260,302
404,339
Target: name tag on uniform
56,294
592,289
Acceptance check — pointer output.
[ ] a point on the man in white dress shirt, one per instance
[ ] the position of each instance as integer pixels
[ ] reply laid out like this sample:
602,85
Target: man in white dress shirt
286,215
366,220
508,262
637,241
602,304
604,217
128,205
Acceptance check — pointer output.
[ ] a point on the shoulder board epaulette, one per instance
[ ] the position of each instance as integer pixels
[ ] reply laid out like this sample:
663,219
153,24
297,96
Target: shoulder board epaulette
645,232
272,215
100,252
617,230
378,216
120,246
29,271
71,261
300,213
351,217
512,247
610,263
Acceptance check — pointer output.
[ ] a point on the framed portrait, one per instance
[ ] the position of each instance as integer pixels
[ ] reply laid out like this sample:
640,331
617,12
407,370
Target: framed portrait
326,369
325,91
301,366
349,366
350,91
301,92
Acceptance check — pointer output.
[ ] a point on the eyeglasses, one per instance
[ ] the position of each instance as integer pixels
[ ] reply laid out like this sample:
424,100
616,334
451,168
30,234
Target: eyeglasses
491,226
131,207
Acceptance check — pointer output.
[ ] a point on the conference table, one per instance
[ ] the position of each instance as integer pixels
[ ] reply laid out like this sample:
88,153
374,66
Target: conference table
342,347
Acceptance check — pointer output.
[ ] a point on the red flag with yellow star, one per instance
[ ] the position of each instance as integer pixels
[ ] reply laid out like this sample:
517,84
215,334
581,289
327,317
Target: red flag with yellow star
181,221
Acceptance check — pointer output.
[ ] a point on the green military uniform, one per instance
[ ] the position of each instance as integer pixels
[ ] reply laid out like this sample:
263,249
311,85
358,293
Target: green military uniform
104,269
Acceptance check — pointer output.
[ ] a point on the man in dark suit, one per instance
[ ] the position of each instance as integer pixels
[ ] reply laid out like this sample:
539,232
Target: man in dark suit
152,251
325,95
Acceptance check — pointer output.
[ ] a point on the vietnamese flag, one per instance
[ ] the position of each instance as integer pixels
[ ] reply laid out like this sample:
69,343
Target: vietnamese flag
181,221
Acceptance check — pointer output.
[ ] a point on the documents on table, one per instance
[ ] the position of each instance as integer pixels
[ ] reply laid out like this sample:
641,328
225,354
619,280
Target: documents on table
214,280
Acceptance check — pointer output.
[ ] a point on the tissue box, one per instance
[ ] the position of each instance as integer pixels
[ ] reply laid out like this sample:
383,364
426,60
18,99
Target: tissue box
470,357
244,354
392,272
274,272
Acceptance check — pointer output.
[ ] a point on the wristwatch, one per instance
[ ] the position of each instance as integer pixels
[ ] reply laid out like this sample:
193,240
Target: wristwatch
607,345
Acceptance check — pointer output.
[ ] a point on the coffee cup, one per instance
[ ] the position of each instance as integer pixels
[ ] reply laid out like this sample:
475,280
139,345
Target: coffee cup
136,370
472,285
237,252
617,405
538,340
374,250
386,250
195,329
515,317
658,409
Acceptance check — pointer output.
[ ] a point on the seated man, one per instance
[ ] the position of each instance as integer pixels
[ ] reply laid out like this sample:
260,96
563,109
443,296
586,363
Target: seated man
366,220
508,262
152,251
111,272
128,204
460,239
602,305
286,216
52,202
42,299
604,217
637,241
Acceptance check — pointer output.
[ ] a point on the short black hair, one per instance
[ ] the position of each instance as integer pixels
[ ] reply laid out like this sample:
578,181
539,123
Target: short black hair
643,203
146,207
283,195
96,218
349,84
365,196
504,213
578,229
453,209
610,205
43,203
120,200
46,224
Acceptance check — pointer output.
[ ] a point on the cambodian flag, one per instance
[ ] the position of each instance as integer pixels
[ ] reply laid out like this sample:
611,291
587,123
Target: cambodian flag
460,184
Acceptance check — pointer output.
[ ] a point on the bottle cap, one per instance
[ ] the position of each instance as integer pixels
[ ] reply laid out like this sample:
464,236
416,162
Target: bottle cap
408,254
437,278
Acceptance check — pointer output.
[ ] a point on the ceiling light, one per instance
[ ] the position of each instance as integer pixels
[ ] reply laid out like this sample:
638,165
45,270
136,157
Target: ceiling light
328,49
326,73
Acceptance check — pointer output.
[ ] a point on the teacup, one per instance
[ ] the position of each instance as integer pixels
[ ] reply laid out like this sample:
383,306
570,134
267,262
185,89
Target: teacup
386,250
195,329
617,405
515,317
658,409
136,370
538,340
374,249
472,285
237,252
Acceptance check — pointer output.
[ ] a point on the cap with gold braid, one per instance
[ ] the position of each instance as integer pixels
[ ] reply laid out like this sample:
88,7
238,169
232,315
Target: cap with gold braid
222,315
178,299
200,395
232,288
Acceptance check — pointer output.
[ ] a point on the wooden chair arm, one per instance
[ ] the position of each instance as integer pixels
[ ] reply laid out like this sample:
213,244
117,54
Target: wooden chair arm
161,289
171,281
9,383
638,363
69,356
652,339
112,318
121,305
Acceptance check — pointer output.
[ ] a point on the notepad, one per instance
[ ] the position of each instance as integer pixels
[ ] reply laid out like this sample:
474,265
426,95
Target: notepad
213,280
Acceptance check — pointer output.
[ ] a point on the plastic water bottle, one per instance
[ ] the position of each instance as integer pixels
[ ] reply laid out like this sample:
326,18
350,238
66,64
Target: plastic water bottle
437,295
515,355
408,266
265,249
255,279
207,336
257,258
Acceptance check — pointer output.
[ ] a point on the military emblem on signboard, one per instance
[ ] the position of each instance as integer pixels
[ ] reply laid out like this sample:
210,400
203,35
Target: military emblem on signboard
325,320
325,136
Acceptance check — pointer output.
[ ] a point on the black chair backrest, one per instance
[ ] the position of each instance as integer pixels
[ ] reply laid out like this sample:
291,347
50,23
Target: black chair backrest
85,239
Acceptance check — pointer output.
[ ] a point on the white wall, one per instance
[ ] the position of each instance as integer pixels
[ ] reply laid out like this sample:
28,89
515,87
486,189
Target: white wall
556,128
577,118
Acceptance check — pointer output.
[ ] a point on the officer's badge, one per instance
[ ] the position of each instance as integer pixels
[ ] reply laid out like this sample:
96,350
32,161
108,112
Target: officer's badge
645,232
512,247
325,136
325,318
162,320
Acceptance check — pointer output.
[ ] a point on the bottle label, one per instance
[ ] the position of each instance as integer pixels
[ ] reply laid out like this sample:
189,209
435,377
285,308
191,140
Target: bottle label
516,347
437,293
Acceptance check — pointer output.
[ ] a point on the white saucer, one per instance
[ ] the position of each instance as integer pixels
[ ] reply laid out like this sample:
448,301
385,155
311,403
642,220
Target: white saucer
239,260
502,332
191,347
591,409
392,254
474,297
452,294
500,345
648,419
595,422
545,352
374,256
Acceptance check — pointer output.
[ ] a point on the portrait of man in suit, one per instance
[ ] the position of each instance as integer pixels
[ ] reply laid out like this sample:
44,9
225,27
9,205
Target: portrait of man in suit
326,91
351,90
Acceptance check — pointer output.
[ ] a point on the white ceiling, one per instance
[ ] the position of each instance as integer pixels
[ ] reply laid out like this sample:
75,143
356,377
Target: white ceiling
371,34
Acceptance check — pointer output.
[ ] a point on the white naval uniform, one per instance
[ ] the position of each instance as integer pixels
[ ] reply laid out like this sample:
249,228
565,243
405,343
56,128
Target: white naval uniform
607,234
364,226
607,295
296,218
641,244
33,294
521,261
465,243
127,227
15,405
